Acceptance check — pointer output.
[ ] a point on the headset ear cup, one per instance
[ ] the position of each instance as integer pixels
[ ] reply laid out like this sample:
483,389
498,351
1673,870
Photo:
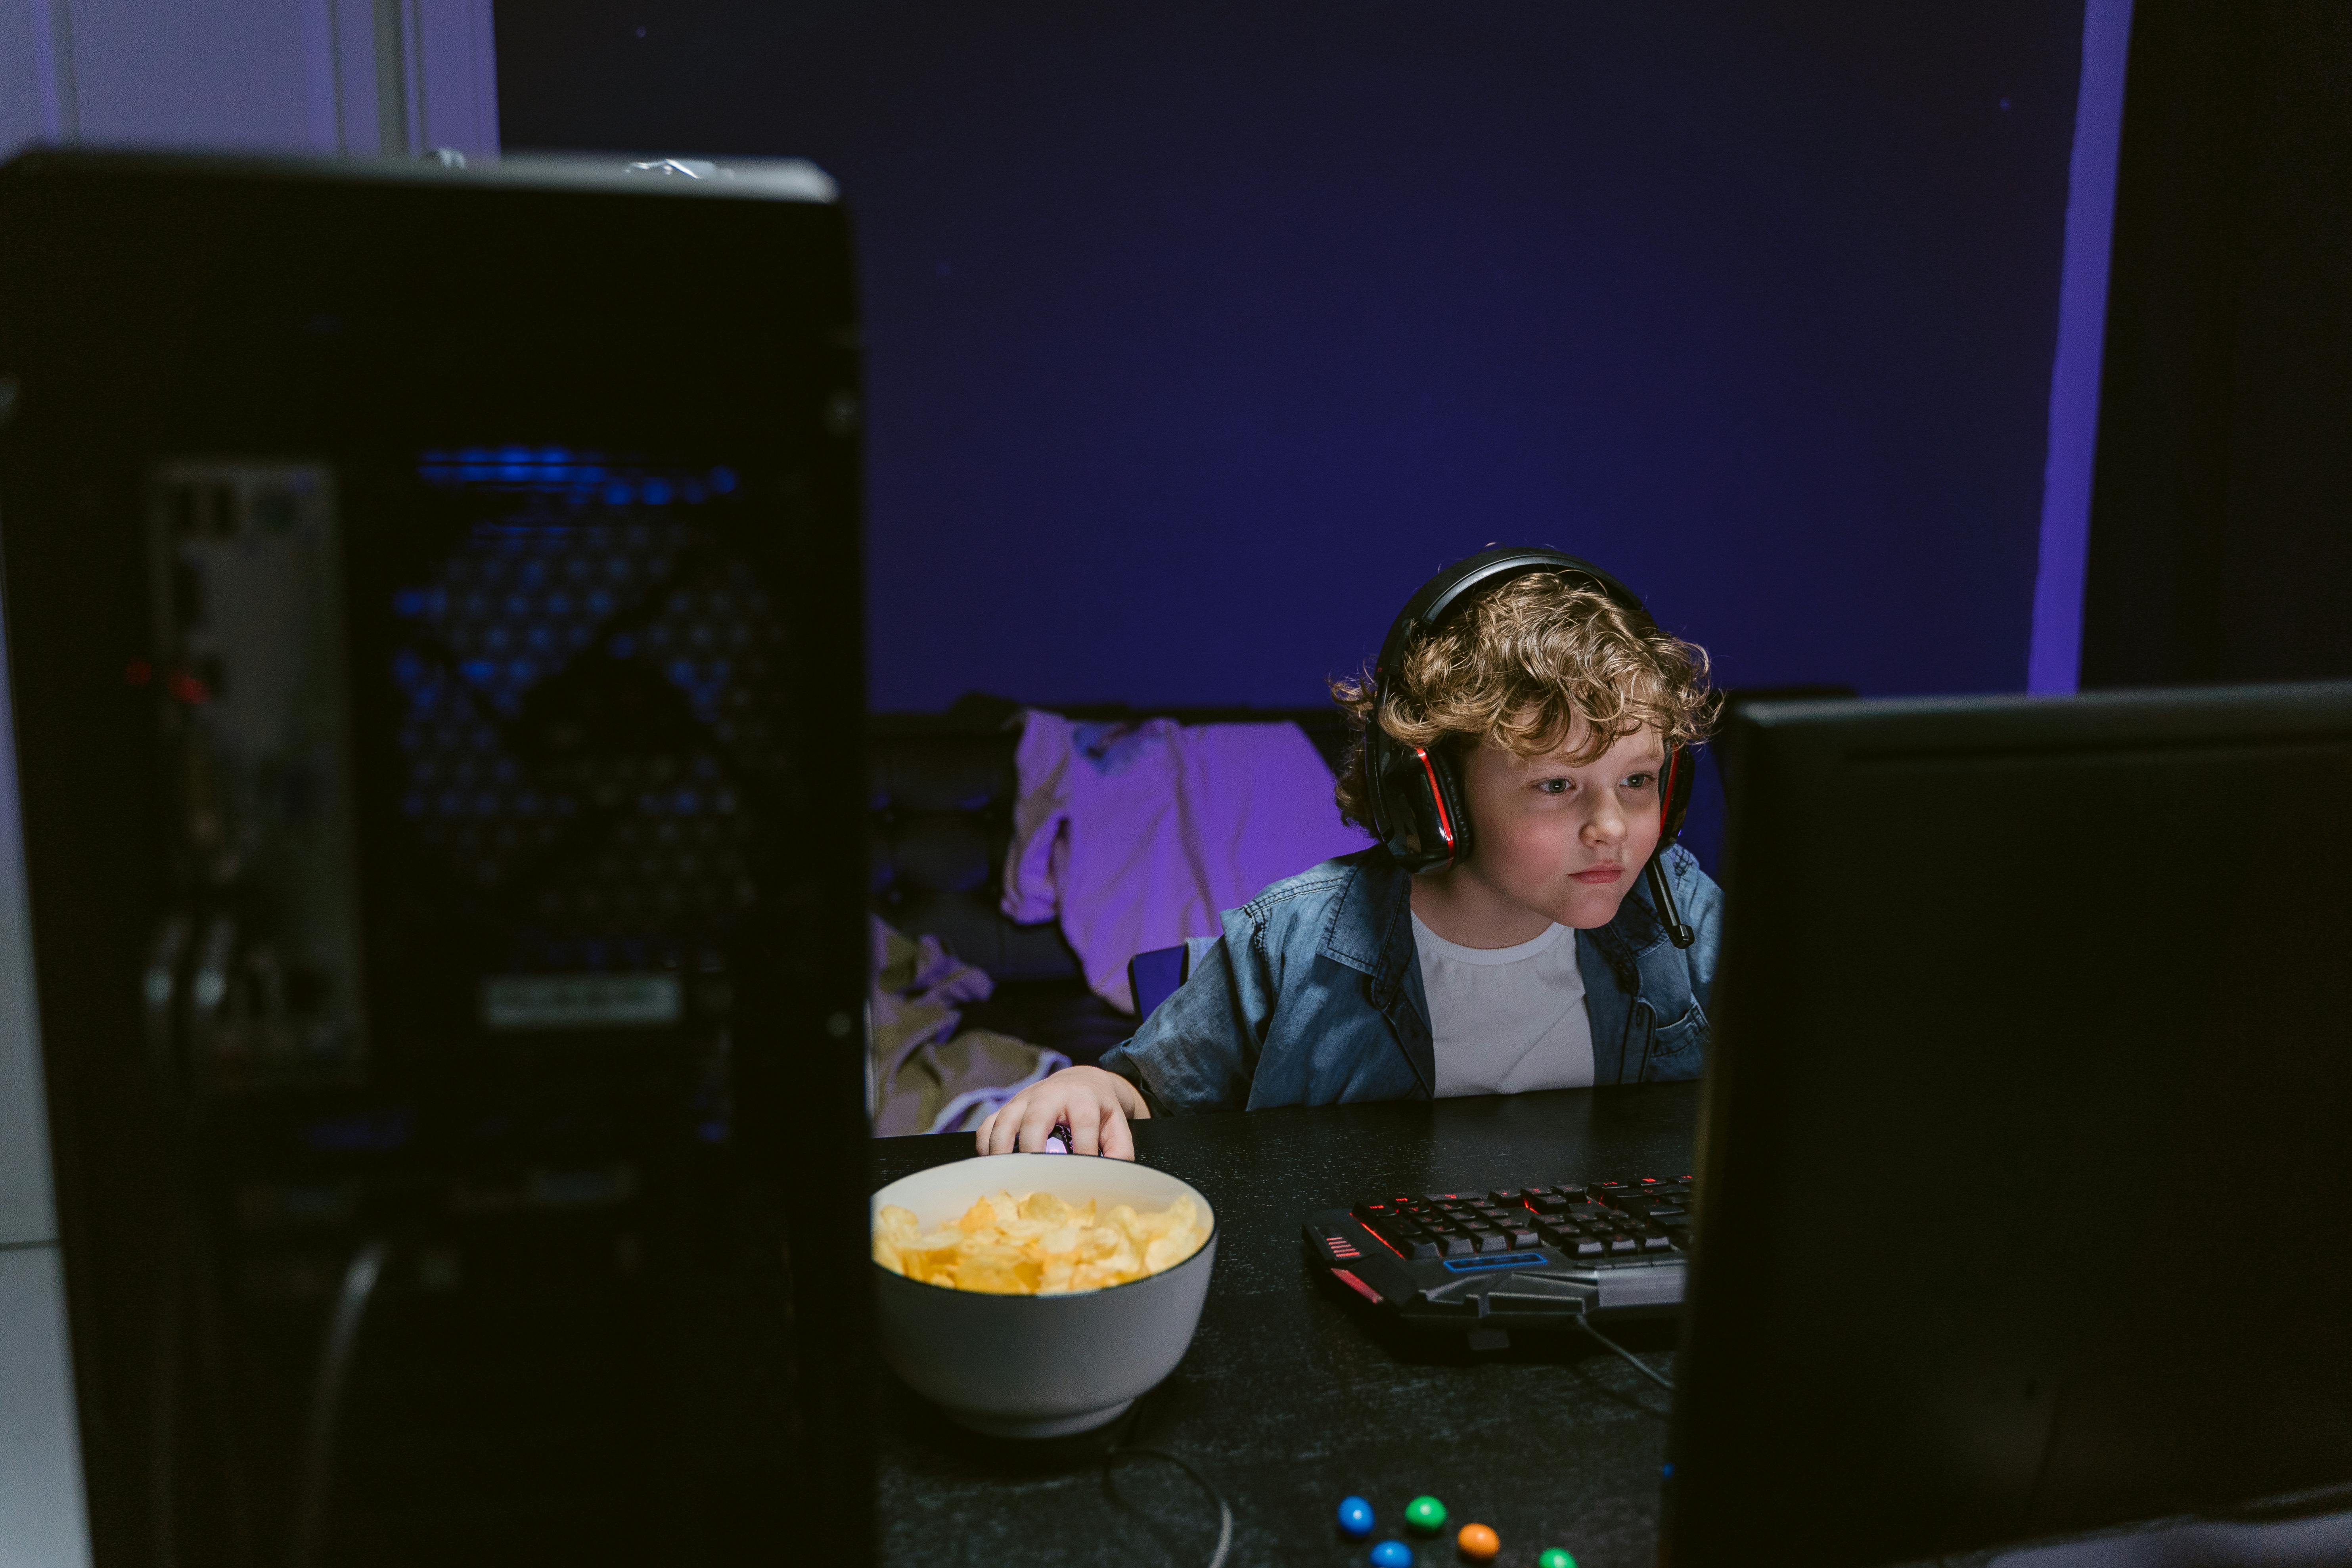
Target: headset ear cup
1417,808
1674,793
1452,802
1376,780
1397,815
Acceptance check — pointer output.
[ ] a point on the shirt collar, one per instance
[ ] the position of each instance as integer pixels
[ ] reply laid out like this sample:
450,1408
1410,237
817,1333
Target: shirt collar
1369,928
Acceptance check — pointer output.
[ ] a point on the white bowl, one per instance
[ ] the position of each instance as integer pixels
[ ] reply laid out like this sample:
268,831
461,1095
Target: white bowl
1039,1366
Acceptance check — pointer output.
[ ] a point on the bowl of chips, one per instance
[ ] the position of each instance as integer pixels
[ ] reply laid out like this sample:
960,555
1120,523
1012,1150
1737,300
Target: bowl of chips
1038,1295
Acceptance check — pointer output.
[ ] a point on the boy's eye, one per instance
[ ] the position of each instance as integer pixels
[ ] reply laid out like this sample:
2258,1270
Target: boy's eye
1641,781
1552,786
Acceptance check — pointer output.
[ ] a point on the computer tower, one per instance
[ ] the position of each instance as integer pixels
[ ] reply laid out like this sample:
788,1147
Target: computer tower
434,615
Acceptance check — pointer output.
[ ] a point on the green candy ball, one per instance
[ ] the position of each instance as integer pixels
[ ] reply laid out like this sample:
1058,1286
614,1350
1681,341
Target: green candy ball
1555,1558
1425,1513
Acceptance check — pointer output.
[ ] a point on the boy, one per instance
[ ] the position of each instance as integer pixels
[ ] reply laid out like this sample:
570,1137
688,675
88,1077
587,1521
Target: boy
1544,706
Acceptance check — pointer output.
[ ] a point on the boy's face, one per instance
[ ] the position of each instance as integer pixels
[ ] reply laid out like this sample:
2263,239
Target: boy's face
1561,839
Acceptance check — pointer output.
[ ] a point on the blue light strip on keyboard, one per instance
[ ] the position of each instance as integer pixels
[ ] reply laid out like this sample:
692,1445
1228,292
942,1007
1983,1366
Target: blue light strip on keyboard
1480,1264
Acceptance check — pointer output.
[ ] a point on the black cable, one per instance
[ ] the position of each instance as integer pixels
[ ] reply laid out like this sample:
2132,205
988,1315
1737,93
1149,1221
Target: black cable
1224,1513
1120,1449
1658,1378
327,1397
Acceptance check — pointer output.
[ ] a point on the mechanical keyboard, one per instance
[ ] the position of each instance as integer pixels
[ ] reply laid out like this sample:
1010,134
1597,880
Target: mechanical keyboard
1515,1257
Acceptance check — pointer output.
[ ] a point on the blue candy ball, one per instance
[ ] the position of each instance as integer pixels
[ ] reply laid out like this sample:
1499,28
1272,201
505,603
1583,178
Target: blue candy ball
1391,1554
1355,1517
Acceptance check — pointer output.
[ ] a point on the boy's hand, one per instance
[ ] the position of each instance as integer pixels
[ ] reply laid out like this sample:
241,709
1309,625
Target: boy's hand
1097,1105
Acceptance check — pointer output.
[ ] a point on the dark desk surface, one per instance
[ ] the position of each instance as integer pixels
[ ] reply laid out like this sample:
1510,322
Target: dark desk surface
1293,1396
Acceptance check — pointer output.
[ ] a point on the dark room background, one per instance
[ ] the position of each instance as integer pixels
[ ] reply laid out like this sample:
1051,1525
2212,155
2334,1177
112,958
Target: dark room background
1200,331
2220,539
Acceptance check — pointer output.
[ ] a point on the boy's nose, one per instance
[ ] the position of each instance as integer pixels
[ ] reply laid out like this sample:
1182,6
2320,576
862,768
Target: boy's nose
1607,823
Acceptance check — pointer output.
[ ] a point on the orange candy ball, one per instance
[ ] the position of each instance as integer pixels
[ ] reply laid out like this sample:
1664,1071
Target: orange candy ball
1478,1543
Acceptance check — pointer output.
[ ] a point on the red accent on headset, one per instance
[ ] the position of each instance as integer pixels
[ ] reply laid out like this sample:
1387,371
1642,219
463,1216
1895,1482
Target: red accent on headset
1445,823
1667,789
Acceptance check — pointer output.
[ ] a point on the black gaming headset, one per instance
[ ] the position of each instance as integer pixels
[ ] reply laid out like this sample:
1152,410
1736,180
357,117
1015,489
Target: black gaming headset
1419,808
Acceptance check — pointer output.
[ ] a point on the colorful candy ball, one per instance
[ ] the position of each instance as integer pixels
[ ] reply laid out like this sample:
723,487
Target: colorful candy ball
1555,1558
1478,1543
1355,1517
1425,1513
1391,1554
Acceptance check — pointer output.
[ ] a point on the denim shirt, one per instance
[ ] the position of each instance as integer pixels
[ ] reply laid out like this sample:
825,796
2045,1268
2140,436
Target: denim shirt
1313,994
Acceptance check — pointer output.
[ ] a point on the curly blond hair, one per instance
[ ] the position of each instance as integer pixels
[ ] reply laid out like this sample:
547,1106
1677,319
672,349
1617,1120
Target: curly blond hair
1519,667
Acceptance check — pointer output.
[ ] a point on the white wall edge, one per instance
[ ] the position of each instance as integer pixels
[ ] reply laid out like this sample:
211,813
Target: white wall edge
43,1521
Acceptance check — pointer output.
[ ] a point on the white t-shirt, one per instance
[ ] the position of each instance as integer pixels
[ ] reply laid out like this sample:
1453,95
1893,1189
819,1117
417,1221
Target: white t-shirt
1507,1019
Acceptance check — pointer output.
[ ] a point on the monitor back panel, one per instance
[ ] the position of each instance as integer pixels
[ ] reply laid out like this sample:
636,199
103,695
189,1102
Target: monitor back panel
2025,1178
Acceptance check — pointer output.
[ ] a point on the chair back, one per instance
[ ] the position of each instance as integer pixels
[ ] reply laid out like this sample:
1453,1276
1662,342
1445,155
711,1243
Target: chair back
1153,976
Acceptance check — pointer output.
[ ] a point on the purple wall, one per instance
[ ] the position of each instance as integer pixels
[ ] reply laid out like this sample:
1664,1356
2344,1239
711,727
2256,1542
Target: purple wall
2055,663
1200,330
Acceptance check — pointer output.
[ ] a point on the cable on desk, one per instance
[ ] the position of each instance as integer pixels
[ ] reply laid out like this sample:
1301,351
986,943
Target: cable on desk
1224,1513
1120,1449
1658,1378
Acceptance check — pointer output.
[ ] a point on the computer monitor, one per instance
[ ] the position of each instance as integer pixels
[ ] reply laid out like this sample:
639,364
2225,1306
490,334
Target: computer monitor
435,630
2024,1192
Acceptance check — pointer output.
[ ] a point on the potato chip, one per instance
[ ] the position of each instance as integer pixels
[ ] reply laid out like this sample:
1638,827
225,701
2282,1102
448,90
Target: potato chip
1044,1206
1038,1244
998,1270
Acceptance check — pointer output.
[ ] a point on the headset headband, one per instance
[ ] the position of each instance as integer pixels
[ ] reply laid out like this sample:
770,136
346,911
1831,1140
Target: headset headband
1436,598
